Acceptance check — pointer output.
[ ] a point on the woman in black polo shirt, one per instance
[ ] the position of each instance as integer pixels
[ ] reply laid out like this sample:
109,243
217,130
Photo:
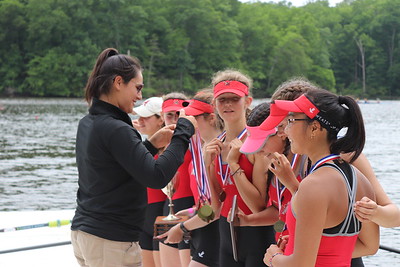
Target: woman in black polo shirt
115,166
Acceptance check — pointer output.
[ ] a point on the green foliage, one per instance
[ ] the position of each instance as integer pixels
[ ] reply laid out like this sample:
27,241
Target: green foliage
48,47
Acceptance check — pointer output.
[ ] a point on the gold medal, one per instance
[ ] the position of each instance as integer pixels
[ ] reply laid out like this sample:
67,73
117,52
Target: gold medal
206,213
222,196
278,226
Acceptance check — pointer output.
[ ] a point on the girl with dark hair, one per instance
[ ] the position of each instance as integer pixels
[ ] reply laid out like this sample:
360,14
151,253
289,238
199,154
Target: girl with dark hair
176,255
115,166
323,228
148,123
280,185
204,232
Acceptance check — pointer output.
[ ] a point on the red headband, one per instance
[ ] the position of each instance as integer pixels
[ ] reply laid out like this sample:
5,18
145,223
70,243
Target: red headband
235,87
174,104
197,107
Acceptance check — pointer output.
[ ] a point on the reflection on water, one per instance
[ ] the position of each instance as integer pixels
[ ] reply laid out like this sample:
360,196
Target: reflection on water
37,157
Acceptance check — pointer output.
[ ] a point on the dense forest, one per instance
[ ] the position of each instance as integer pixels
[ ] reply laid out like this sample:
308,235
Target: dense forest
48,47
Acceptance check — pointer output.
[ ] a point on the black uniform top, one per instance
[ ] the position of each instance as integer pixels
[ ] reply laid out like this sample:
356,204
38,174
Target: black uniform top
115,167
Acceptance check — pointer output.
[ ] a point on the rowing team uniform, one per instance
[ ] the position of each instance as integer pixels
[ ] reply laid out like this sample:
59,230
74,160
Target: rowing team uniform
183,197
337,243
280,198
251,241
158,206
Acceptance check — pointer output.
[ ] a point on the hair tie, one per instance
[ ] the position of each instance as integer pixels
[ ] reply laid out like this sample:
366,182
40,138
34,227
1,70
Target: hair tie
341,99
112,53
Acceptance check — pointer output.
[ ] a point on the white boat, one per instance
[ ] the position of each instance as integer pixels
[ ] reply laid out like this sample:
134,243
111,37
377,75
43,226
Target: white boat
10,239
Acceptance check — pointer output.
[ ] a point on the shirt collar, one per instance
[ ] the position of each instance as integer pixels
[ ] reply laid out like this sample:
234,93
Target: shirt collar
99,107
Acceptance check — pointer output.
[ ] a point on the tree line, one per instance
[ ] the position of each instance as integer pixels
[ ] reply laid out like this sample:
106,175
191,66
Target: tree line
48,47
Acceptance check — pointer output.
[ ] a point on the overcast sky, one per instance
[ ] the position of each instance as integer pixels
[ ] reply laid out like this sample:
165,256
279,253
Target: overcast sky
294,2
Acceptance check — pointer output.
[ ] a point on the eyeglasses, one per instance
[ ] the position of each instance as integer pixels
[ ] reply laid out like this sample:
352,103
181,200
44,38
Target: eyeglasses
291,121
139,87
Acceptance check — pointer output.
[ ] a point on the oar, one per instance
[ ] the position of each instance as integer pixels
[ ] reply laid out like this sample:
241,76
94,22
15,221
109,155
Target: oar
57,223
389,249
69,242
36,247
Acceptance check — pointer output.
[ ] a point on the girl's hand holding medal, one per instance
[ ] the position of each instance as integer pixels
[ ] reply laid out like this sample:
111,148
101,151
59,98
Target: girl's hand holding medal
211,151
234,151
280,166
272,252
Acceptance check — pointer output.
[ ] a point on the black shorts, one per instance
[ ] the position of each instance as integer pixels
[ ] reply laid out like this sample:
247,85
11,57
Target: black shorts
179,204
205,244
146,240
252,243
357,262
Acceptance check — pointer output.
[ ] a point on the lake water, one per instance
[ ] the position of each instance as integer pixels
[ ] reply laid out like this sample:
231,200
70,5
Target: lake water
37,160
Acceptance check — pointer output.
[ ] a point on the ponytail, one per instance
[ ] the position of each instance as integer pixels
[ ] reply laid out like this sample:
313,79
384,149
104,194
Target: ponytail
354,139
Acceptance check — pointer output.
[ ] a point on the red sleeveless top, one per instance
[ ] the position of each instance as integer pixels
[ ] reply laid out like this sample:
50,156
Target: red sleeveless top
230,187
285,200
155,195
333,250
184,178
337,243
193,184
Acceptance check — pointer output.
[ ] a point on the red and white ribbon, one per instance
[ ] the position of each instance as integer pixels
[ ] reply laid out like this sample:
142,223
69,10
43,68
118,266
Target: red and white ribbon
323,160
199,167
224,176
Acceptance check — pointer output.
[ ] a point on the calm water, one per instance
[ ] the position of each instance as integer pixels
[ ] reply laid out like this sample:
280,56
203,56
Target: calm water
38,172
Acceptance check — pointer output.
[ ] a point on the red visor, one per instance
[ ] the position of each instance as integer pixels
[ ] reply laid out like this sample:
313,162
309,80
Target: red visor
275,117
256,139
235,87
197,107
301,104
174,104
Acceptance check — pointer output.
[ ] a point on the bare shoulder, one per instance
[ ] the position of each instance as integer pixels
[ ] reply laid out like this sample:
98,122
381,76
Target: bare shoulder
365,187
318,183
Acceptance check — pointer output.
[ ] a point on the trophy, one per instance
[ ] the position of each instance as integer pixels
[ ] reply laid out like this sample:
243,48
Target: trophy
169,191
164,223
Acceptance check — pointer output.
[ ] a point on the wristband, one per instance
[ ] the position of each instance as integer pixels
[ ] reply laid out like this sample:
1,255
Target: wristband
239,170
183,228
270,259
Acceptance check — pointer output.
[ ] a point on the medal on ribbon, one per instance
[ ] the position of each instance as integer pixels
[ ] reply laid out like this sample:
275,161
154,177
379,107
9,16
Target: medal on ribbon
225,175
222,196
279,190
279,226
205,211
